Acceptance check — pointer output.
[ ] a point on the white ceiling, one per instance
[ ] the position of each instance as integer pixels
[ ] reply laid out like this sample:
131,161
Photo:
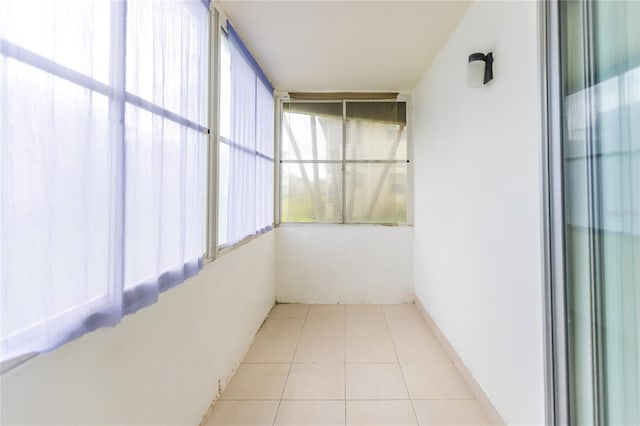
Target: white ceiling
344,45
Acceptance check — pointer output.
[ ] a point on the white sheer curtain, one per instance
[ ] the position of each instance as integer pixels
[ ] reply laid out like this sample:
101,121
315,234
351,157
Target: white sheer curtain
264,161
250,171
242,170
167,65
102,190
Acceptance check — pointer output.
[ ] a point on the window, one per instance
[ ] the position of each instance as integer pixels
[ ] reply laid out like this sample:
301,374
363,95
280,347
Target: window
103,162
344,162
592,159
246,148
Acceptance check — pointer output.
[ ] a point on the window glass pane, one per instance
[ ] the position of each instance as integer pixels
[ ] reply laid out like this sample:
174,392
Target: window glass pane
225,86
376,192
142,195
167,55
165,195
72,33
376,131
312,131
311,192
264,188
245,180
385,112
223,192
367,140
194,192
55,197
264,120
243,101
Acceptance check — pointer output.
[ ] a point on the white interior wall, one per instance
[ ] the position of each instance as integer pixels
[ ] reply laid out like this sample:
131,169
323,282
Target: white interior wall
477,205
159,366
344,264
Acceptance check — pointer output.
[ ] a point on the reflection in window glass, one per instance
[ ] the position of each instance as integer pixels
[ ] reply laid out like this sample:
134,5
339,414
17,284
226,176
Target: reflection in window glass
376,193
311,192
376,141
312,131
601,229
376,131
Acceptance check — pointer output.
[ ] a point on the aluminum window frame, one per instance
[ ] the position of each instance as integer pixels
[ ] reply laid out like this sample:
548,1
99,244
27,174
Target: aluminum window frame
283,98
553,269
214,120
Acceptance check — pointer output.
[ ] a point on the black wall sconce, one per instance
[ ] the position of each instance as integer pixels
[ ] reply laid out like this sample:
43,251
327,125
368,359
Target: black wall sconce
479,69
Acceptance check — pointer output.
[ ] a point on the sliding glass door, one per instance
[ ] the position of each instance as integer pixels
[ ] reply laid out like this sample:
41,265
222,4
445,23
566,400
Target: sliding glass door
598,164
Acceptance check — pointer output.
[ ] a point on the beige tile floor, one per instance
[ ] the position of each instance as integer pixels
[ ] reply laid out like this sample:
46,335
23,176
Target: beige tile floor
346,365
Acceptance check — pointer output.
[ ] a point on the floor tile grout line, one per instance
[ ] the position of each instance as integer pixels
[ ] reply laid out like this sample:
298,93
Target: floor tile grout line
291,365
345,365
348,399
404,379
388,317
342,399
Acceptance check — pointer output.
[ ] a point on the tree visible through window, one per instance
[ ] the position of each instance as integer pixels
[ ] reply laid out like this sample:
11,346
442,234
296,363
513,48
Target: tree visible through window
344,162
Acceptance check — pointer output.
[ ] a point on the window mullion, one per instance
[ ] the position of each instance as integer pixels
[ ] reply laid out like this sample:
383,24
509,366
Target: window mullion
277,163
117,75
214,130
344,163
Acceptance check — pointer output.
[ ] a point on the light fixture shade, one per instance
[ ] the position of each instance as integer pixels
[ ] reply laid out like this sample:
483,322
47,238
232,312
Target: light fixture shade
479,69
475,73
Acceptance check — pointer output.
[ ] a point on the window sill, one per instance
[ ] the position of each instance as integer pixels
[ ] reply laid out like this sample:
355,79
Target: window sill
224,249
10,364
358,224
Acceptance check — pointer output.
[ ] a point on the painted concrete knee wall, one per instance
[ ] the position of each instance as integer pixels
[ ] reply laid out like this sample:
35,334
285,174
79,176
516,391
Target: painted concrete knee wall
323,263
161,365
477,204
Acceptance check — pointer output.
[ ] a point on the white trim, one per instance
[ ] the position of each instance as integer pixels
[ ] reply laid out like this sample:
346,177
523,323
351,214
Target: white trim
481,397
281,98
343,195
409,117
277,107
224,248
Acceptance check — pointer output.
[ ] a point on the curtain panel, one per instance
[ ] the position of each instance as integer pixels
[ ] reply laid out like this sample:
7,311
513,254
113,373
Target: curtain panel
103,127
247,164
